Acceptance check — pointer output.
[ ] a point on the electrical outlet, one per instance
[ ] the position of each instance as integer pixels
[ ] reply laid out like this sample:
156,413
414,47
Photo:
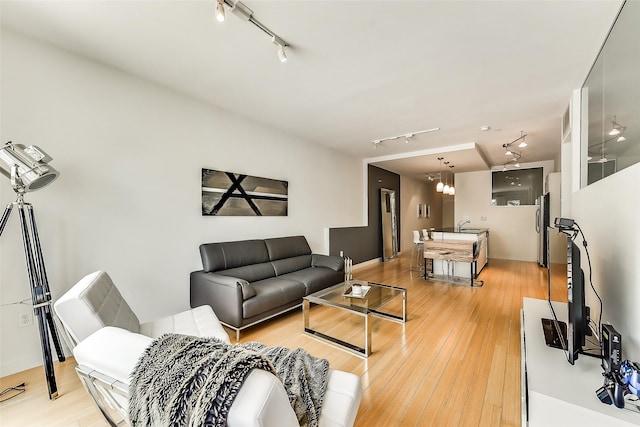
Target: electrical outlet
483,218
25,319
342,254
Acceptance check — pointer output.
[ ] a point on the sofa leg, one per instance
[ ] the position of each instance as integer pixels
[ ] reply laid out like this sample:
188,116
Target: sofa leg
237,336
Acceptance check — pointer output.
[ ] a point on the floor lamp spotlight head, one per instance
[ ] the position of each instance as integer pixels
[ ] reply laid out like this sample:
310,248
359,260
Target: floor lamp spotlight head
26,167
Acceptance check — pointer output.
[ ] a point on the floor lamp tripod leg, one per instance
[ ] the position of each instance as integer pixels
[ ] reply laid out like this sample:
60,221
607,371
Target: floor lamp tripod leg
44,282
40,297
5,217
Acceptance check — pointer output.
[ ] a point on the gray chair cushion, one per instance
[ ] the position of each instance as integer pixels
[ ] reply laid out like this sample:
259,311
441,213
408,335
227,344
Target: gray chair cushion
270,294
287,265
226,255
335,263
287,247
92,303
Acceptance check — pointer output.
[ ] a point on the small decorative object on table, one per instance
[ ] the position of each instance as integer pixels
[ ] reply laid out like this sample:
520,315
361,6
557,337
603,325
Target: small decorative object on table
348,274
356,289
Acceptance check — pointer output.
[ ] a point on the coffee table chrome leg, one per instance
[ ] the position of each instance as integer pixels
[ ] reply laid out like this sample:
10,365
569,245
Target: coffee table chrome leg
404,306
367,335
305,313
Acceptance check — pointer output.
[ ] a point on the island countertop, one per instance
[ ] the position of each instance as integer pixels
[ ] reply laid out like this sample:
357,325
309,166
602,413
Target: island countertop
470,230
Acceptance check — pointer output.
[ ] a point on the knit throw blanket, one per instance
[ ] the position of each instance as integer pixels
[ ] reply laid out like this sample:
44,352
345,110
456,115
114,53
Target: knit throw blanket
183,380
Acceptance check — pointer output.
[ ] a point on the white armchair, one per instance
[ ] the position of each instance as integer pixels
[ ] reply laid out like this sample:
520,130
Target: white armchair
108,340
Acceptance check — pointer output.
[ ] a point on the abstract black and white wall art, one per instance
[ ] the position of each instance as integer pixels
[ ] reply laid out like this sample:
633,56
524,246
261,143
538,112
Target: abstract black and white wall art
234,194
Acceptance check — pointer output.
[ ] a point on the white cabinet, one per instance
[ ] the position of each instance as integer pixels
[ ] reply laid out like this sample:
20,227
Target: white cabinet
555,393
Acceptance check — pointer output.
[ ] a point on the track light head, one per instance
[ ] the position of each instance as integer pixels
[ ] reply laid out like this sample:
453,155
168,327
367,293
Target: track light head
282,45
220,10
282,55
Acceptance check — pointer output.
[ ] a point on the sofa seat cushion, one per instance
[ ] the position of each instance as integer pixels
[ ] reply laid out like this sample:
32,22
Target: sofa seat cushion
272,293
200,322
315,278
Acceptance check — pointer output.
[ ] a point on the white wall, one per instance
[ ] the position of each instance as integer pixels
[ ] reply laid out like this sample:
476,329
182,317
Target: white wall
607,212
128,198
512,231
414,192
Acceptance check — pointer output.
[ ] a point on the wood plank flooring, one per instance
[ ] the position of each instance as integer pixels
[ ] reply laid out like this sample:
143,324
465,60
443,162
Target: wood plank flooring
456,362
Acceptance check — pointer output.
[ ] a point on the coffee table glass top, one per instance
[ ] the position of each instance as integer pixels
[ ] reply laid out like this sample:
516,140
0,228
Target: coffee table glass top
377,296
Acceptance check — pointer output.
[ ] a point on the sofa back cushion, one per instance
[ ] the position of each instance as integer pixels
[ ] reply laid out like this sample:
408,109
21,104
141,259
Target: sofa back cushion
287,247
287,265
228,255
250,273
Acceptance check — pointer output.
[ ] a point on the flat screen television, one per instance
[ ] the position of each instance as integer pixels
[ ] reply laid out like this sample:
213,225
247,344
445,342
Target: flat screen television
569,336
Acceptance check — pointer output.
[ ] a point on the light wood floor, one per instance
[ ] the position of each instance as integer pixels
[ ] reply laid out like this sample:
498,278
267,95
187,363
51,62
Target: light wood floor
456,362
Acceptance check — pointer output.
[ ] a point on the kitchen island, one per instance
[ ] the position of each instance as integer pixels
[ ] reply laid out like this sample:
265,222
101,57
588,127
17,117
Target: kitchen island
453,267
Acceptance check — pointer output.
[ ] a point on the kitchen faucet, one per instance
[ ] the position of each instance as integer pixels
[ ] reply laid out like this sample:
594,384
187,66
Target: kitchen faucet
463,222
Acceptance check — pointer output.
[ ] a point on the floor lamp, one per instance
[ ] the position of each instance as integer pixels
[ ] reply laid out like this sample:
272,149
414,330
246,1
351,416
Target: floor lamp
28,170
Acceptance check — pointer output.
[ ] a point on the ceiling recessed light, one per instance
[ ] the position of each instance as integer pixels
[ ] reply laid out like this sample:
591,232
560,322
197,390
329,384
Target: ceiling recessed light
485,128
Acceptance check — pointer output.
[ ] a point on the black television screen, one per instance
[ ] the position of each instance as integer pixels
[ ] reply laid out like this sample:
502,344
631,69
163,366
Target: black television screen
578,321
569,336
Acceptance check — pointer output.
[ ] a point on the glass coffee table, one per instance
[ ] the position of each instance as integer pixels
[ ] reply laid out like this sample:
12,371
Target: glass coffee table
339,305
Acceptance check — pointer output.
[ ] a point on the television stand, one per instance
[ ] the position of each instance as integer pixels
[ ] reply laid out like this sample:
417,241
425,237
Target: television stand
555,393
551,336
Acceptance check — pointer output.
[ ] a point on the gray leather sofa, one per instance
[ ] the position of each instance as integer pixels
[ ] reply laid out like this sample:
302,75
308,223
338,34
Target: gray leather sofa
249,281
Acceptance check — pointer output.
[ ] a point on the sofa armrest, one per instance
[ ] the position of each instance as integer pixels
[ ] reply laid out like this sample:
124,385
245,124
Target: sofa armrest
333,262
222,293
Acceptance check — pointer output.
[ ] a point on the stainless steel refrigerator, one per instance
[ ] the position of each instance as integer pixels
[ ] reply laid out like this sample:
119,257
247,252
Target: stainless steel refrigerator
542,222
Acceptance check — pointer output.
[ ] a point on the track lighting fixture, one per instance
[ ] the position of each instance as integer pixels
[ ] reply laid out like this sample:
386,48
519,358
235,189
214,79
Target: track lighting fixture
616,128
406,137
516,155
282,55
220,11
240,9
523,143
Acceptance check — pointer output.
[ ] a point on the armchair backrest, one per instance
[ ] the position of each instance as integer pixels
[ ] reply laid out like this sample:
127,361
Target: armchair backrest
93,303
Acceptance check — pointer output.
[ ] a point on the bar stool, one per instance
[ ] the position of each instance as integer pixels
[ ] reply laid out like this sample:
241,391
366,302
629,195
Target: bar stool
417,245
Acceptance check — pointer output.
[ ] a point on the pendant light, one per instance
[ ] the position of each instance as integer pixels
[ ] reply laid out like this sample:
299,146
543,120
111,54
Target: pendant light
220,11
440,185
445,190
452,190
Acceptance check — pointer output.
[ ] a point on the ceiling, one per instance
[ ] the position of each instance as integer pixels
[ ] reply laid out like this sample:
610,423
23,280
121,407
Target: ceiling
358,71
